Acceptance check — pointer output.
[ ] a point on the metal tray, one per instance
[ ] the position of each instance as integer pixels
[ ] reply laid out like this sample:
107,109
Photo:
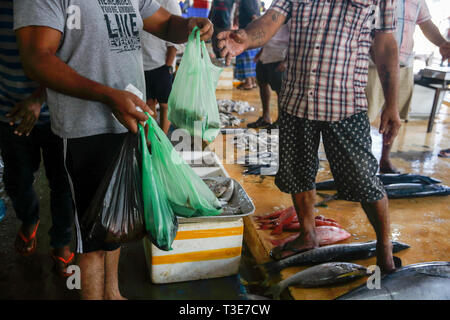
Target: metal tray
239,198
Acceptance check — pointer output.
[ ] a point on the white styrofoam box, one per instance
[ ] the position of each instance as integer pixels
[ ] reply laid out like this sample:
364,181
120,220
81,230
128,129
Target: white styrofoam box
226,79
201,250
214,167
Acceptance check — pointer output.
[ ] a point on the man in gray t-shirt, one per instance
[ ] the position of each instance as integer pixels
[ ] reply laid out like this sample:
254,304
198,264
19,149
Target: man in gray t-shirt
86,53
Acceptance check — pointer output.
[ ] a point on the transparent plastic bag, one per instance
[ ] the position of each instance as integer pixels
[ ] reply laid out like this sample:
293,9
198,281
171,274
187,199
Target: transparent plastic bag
193,96
116,213
188,195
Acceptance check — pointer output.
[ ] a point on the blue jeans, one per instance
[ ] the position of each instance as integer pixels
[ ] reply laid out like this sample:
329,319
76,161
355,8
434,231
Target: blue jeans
22,156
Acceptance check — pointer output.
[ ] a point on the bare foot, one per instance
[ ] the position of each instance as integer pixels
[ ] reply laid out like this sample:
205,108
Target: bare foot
301,243
115,296
384,258
387,167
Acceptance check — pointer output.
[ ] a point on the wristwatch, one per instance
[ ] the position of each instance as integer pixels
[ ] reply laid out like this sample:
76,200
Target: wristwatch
170,68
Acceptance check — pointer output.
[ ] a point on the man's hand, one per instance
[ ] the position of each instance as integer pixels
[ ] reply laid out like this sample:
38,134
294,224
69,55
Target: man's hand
282,66
123,105
444,50
255,35
231,44
27,112
205,26
390,124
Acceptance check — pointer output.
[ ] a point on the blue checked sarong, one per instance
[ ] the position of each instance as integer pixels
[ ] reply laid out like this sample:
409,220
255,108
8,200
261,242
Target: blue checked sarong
245,66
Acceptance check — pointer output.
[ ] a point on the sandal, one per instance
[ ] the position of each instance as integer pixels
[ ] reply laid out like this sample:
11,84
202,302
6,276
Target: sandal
244,87
444,153
260,123
31,238
57,266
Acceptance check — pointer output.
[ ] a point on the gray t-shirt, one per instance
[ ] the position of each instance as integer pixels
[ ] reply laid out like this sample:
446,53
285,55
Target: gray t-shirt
101,41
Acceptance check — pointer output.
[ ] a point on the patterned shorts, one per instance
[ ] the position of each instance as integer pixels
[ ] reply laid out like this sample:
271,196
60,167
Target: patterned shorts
348,147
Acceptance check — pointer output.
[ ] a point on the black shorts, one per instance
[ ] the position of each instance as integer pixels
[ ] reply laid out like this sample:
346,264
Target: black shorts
87,159
267,73
348,146
158,84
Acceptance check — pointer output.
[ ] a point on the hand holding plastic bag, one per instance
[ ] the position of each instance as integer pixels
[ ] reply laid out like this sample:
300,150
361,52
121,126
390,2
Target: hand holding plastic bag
193,96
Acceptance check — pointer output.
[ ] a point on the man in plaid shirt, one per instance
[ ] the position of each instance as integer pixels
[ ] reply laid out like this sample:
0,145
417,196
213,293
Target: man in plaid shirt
323,94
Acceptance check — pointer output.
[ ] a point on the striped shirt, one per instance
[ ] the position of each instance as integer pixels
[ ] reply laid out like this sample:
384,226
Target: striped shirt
409,13
328,55
14,85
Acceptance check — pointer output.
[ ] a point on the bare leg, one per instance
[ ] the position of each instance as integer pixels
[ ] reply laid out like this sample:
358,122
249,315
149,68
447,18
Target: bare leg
265,93
92,266
304,205
111,276
164,121
385,161
378,215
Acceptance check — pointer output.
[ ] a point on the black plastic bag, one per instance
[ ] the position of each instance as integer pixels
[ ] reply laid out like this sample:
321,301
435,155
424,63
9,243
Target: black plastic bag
116,213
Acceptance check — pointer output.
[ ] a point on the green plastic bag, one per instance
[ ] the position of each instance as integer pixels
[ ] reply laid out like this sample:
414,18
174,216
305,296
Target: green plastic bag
160,220
188,195
193,96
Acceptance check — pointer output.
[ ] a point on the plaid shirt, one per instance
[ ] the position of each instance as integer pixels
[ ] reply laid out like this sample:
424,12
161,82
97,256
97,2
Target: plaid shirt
328,54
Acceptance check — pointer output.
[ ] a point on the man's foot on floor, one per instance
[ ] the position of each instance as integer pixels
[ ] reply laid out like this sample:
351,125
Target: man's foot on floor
26,241
115,296
260,123
274,125
388,167
444,153
244,86
298,245
62,258
385,258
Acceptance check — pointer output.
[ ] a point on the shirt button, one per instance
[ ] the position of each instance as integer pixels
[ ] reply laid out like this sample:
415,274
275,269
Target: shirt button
317,47
313,71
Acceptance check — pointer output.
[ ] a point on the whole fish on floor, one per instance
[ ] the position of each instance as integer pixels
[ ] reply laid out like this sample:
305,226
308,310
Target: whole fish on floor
325,274
335,252
415,190
386,179
420,281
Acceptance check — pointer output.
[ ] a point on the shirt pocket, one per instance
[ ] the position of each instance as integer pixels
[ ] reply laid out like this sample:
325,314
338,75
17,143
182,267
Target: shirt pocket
302,10
356,12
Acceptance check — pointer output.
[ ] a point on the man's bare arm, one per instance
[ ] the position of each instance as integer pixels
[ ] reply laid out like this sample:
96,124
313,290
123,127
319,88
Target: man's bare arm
255,35
432,33
176,29
385,53
171,55
38,47
261,30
